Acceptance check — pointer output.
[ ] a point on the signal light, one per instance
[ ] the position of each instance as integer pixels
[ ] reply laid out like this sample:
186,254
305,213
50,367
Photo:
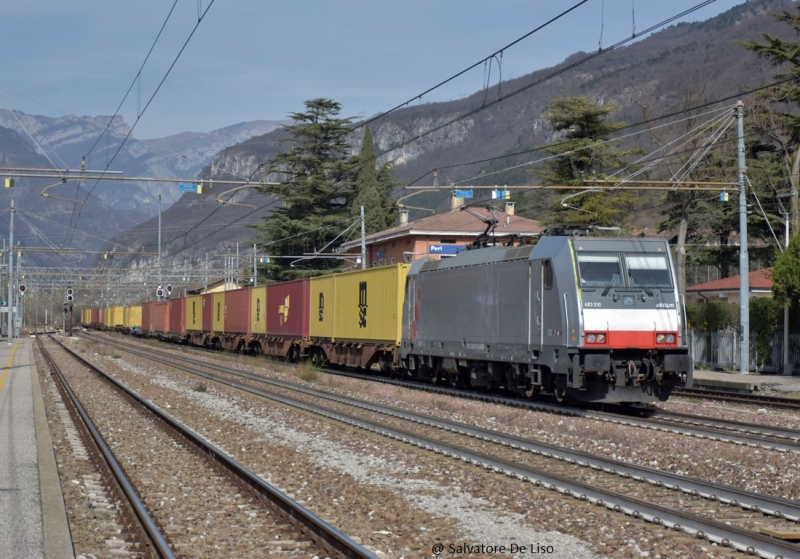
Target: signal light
22,289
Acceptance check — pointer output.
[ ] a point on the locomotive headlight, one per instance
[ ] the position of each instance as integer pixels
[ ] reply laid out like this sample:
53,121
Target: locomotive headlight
660,338
601,338
670,338
590,338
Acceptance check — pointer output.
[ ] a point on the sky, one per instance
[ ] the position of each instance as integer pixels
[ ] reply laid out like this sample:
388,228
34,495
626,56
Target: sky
260,60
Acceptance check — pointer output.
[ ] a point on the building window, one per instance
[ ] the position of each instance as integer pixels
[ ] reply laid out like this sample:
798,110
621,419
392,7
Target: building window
447,241
406,257
394,261
374,264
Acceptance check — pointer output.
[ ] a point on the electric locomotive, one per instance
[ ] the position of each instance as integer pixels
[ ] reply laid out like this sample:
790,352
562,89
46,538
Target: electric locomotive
584,318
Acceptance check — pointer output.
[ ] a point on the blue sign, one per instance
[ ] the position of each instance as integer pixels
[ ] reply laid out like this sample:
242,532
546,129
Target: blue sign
445,249
381,253
463,194
186,187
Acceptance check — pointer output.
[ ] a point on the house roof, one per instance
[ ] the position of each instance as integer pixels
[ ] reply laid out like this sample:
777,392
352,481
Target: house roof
456,222
760,280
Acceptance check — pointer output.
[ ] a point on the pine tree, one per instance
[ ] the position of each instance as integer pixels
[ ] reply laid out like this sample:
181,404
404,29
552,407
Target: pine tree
581,153
317,184
373,187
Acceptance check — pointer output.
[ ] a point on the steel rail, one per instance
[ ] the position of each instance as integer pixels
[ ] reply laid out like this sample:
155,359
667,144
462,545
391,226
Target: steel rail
150,528
323,534
716,532
757,502
710,394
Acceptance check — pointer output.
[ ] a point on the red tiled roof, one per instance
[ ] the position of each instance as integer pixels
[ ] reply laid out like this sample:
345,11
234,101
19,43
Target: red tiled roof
457,223
760,279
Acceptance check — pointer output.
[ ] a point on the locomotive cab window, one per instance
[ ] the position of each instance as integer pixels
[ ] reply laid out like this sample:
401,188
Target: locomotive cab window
650,270
599,270
547,273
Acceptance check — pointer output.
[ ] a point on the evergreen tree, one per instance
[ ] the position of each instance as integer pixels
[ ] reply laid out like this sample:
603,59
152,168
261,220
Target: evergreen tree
316,189
583,152
373,189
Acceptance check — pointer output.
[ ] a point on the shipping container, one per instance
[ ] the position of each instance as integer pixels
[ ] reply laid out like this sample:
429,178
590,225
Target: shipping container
177,316
258,310
208,312
322,308
160,318
134,317
219,312
114,317
194,313
96,314
237,311
148,317
287,309
369,304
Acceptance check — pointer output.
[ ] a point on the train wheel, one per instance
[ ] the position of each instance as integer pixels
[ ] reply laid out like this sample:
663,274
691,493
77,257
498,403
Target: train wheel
532,392
561,395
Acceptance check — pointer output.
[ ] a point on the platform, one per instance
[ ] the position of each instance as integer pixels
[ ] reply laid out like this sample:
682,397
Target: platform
33,521
737,382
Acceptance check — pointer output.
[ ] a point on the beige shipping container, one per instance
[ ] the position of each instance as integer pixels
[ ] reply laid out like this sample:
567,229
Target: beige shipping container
132,317
194,313
322,309
219,312
258,310
369,304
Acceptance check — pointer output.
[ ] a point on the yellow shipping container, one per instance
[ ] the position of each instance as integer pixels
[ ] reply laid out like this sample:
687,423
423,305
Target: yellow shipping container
134,317
194,313
369,304
321,320
114,317
258,310
219,312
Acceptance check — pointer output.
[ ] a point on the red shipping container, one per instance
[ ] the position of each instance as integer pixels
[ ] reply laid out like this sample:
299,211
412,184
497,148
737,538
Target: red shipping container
95,319
208,312
161,317
288,308
237,311
147,317
177,316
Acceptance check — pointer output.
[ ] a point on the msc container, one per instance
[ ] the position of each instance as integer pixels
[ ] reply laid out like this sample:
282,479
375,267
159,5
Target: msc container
177,316
208,312
219,312
194,313
321,320
287,309
369,304
237,311
258,310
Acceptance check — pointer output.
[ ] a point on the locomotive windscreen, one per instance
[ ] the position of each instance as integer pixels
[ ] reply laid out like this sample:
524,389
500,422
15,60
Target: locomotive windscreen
650,270
599,270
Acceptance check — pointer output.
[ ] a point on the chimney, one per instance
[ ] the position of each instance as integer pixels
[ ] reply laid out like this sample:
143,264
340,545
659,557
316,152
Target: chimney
510,208
403,217
455,202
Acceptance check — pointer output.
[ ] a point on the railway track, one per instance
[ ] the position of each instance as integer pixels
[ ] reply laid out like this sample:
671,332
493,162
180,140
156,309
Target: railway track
755,399
588,477
291,522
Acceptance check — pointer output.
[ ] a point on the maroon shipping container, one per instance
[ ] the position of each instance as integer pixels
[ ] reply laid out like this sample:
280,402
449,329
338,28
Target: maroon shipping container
208,312
237,311
95,318
147,317
161,317
287,308
177,316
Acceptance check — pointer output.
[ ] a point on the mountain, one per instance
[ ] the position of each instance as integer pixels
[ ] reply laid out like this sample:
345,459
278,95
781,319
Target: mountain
64,141
650,77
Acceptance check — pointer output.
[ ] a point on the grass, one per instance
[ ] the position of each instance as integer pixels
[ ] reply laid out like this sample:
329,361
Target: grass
200,387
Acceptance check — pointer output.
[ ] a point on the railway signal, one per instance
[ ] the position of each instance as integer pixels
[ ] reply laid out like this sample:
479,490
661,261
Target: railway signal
70,294
22,289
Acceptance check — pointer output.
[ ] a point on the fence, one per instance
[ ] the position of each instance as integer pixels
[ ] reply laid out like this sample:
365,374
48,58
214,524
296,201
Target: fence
720,350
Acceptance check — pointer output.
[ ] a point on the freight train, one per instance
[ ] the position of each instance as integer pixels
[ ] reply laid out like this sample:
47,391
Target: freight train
586,319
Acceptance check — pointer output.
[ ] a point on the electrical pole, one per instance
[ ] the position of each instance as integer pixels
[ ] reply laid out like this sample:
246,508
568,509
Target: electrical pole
11,276
159,241
744,264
